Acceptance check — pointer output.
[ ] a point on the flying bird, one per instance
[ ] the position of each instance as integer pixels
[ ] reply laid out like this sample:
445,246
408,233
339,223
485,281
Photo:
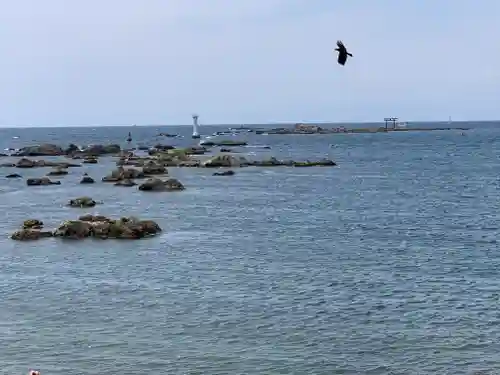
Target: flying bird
342,53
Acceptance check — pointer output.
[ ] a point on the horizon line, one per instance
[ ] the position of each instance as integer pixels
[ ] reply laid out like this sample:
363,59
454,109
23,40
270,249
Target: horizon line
236,124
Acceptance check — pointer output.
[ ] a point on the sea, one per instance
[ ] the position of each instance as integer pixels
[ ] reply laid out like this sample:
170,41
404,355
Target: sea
388,263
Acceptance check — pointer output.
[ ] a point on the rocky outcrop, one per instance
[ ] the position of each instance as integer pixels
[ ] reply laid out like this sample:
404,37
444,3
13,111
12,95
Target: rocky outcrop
32,224
71,149
152,168
43,181
58,171
40,150
90,226
98,150
82,202
227,142
86,179
159,148
224,173
123,174
155,184
103,227
225,161
31,230
273,162
29,163
30,234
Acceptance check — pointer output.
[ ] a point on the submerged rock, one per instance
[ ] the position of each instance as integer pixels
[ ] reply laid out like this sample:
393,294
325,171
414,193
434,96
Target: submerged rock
90,160
224,173
273,162
126,183
58,171
225,142
13,175
43,181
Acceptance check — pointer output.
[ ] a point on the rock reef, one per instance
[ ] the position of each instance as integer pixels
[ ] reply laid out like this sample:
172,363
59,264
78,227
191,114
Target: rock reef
90,226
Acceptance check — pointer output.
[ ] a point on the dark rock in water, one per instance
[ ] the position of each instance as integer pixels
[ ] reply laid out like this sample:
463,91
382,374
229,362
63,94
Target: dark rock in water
153,168
40,150
123,174
25,163
82,202
102,227
3,155
43,181
102,150
227,142
90,160
72,148
58,171
273,162
32,224
161,147
225,161
30,234
224,173
90,217
319,163
86,179
225,150
13,175
28,163
126,183
155,184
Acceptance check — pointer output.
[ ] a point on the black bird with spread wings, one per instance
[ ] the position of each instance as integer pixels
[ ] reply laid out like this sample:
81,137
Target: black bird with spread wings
342,53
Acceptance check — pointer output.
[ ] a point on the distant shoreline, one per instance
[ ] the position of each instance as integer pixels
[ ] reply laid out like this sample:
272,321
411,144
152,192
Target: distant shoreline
256,125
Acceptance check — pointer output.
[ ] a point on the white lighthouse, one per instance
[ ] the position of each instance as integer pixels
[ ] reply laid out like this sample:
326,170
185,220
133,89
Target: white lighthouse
196,133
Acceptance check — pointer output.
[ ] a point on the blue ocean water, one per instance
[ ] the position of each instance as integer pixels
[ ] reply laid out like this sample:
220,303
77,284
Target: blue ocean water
386,264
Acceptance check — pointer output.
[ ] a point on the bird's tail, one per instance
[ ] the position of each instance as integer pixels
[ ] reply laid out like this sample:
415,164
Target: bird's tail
350,54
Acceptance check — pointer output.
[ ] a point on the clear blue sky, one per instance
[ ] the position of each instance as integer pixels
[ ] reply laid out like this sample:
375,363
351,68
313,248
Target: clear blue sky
76,62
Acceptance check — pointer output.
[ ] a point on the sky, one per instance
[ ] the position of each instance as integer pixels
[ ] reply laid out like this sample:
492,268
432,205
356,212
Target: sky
122,62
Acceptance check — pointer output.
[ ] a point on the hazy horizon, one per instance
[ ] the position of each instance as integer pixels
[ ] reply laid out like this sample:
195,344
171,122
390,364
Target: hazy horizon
252,61
276,124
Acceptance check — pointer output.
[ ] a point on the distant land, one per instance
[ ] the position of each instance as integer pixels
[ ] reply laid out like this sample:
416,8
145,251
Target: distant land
270,124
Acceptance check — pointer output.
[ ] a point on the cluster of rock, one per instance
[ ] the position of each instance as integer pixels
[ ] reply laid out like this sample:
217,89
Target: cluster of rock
96,226
29,163
229,161
48,149
126,176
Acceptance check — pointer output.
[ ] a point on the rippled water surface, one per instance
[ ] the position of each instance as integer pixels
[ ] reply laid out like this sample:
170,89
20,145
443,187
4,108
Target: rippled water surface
387,264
